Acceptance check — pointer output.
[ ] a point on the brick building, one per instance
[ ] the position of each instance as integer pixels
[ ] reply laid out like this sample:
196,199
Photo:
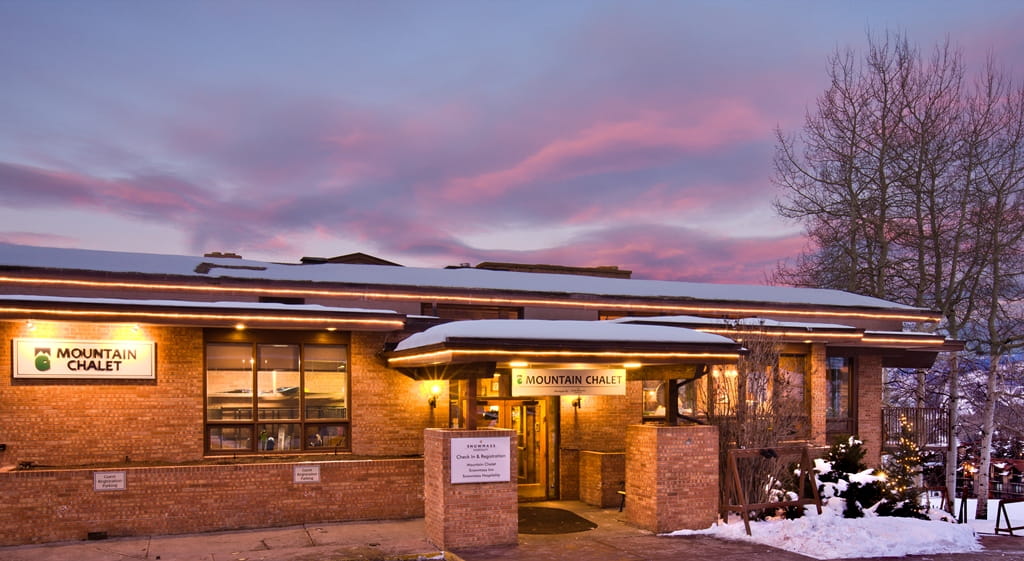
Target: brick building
169,394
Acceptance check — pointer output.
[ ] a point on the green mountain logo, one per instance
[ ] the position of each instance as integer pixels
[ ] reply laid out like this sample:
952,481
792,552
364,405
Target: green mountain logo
42,359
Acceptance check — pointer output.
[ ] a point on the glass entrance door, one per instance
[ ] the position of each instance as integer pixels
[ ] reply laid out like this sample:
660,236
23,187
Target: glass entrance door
530,420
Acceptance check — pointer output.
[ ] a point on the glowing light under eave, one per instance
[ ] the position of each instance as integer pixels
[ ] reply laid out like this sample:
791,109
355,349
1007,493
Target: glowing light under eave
236,319
605,305
447,355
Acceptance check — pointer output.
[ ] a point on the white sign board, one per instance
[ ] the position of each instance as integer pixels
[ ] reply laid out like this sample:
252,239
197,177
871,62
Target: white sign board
67,358
306,474
481,460
109,481
563,381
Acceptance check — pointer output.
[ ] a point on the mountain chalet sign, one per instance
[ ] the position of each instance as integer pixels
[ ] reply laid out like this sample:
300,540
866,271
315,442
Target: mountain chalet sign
67,358
562,381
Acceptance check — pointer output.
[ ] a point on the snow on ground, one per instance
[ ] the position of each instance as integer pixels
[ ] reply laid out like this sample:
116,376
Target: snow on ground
830,536
1015,511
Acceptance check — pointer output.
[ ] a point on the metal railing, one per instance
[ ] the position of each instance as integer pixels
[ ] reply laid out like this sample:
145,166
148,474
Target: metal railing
930,426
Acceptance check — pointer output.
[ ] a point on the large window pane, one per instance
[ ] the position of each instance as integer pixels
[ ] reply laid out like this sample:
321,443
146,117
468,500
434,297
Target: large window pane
326,436
228,382
656,394
326,371
790,383
838,375
280,437
230,437
278,381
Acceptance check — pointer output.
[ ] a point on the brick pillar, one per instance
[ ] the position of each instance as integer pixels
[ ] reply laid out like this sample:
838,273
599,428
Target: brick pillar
869,407
601,477
459,515
671,477
817,393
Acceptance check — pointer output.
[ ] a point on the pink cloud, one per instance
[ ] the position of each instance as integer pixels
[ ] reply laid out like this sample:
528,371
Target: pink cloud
159,195
35,238
615,146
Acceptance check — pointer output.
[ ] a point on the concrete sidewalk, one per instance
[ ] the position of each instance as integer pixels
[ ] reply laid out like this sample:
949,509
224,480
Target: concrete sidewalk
612,540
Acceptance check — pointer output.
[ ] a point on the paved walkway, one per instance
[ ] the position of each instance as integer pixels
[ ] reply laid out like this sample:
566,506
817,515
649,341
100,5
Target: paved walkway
612,540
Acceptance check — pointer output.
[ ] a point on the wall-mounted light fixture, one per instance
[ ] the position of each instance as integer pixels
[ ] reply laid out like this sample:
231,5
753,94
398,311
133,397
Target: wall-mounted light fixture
578,402
435,391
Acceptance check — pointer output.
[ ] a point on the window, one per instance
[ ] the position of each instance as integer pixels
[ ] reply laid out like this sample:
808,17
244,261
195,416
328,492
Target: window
271,398
465,311
838,375
839,419
292,300
656,393
789,383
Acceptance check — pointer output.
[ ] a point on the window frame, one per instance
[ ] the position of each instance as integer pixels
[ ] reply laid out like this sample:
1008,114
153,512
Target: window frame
302,339
848,423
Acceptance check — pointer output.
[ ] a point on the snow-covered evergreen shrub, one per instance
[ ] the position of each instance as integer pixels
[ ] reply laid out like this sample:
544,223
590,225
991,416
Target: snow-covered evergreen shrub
842,475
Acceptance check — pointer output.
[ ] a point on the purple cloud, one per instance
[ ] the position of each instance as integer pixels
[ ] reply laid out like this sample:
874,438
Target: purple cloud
633,133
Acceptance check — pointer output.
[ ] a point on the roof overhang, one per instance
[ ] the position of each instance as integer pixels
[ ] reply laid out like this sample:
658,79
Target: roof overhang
197,314
899,349
508,343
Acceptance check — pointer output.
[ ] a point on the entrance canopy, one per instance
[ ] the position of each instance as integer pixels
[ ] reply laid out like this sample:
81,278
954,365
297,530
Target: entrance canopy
550,343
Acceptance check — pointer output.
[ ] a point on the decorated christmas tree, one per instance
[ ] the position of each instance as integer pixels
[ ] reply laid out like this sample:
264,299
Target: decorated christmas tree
902,469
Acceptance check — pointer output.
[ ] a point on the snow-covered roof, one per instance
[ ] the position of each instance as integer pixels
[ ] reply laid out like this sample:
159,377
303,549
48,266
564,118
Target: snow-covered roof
17,256
558,330
255,306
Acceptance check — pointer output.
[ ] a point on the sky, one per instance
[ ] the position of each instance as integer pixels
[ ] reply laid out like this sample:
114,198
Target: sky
432,133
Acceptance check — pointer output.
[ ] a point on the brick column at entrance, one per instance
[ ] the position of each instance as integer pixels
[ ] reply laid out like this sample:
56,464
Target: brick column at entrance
467,514
671,477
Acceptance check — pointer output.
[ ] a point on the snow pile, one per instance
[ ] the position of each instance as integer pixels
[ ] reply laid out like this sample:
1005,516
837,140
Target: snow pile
830,536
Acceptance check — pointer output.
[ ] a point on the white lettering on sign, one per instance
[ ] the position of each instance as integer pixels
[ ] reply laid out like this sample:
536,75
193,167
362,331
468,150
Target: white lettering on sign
306,474
65,358
109,481
553,382
481,460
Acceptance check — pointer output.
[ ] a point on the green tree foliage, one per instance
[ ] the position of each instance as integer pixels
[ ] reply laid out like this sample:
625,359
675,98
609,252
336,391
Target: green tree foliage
902,468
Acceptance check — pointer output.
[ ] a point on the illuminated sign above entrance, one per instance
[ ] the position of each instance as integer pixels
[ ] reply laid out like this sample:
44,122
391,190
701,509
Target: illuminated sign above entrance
539,382
65,358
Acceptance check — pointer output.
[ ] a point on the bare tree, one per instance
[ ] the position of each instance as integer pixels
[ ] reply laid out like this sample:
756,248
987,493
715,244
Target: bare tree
998,109
908,187
758,405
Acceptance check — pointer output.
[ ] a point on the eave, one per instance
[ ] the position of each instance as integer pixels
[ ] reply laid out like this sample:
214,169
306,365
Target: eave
197,314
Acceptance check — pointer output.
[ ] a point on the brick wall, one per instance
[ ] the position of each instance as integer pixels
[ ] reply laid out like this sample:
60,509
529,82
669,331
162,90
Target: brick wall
599,424
672,477
59,505
389,409
467,514
76,422
568,474
869,407
602,475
